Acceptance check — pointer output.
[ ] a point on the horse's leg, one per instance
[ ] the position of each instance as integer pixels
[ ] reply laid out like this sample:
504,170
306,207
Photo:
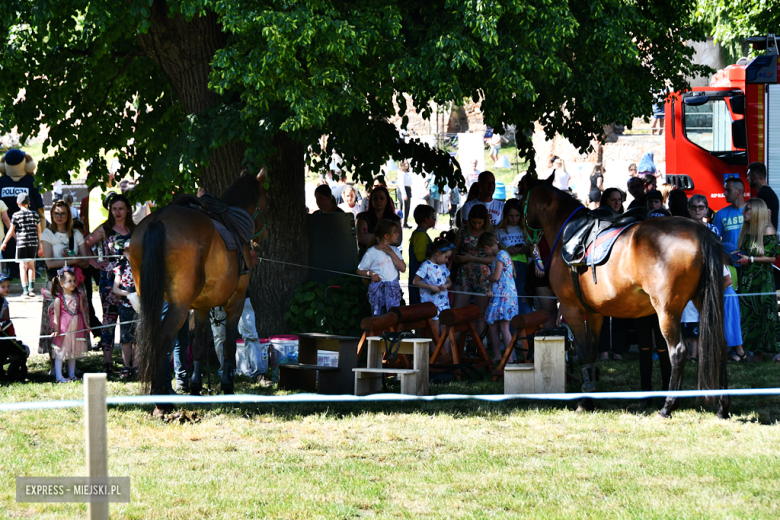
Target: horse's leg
575,320
198,349
233,309
672,362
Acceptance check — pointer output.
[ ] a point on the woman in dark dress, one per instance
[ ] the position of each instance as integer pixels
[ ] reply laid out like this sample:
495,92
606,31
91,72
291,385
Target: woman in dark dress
596,186
380,207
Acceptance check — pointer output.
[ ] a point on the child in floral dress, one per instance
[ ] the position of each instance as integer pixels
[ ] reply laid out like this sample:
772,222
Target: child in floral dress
503,296
433,279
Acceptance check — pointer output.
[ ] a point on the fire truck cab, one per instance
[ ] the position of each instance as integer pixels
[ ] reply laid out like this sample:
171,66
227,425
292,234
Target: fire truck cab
714,132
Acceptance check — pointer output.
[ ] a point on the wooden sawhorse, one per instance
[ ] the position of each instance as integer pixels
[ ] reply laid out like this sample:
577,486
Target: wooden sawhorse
524,324
461,320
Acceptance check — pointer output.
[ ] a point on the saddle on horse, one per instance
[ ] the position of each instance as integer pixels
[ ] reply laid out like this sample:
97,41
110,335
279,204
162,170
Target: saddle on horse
588,239
234,225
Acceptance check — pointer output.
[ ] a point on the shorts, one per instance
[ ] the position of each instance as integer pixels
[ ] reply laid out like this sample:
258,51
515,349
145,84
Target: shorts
127,330
690,330
494,148
26,252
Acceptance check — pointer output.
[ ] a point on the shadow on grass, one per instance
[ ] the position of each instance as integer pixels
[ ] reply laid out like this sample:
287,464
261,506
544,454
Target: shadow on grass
616,376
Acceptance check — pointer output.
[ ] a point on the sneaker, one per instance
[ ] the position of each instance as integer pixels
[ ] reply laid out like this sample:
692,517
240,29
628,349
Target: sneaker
26,295
31,293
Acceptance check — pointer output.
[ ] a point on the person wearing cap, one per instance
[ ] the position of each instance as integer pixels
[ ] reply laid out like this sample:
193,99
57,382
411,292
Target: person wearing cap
25,226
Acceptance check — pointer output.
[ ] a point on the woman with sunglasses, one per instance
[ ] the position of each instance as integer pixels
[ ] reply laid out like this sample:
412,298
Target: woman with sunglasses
110,239
59,241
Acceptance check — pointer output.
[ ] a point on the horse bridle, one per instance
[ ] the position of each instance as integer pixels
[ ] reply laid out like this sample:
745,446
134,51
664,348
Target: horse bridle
262,219
534,235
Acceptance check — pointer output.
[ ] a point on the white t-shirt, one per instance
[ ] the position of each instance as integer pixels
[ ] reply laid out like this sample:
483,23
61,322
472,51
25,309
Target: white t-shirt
3,207
380,263
419,186
74,213
513,236
495,210
59,241
404,178
561,180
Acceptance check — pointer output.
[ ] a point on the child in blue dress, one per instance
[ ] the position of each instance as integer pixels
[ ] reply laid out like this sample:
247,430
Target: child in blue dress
433,279
503,296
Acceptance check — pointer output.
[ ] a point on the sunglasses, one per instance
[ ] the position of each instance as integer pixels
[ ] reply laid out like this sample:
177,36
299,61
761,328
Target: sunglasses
59,214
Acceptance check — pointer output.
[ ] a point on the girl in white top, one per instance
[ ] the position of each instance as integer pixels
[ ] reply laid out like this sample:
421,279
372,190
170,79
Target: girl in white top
382,263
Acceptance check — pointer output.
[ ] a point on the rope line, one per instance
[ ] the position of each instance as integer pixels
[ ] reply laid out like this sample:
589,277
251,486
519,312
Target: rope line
318,398
65,258
409,284
72,332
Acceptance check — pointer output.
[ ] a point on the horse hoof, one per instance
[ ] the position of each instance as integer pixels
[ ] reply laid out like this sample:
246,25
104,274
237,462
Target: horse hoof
227,389
586,405
723,415
195,388
161,409
663,415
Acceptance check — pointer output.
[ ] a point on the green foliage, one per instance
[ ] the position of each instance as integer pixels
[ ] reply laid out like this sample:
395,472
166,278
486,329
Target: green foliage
329,310
734,20
319,67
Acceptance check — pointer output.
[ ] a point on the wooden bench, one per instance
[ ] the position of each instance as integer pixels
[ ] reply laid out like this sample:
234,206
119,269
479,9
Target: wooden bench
306,374
414,381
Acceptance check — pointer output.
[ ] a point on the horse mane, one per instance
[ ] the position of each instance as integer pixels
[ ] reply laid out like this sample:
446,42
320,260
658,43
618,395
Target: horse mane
566,200
243,193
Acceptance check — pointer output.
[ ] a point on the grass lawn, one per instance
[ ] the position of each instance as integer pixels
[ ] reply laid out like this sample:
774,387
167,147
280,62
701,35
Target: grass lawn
434,460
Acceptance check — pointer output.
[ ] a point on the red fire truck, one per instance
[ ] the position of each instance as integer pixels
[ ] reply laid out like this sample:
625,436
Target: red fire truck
713,133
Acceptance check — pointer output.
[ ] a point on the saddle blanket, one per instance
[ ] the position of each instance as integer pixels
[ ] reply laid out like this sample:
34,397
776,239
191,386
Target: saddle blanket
230,239
602,246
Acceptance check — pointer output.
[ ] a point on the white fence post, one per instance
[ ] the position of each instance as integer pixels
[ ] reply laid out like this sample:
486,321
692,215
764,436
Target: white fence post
96,437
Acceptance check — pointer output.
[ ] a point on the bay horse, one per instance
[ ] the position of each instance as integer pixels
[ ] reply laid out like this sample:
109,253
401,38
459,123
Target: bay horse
178,256
656,266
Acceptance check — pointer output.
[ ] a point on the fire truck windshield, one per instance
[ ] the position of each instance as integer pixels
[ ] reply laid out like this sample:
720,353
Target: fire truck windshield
708,125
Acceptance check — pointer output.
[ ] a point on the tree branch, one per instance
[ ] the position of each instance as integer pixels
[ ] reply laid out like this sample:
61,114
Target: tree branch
111,82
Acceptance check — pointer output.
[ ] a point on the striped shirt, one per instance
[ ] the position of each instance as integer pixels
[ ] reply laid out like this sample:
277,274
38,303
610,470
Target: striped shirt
25,223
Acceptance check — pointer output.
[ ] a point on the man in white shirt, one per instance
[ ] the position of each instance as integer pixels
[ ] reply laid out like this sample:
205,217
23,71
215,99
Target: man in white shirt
472,175
487,186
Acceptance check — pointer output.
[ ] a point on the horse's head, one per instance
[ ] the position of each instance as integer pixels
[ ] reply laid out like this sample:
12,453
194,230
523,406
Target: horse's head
261,225
542,204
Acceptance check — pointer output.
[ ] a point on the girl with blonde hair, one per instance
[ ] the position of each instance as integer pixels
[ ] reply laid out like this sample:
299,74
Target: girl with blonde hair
758,250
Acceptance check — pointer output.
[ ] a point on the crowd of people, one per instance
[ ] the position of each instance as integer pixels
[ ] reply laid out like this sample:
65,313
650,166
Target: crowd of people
73,258
484,259
481,258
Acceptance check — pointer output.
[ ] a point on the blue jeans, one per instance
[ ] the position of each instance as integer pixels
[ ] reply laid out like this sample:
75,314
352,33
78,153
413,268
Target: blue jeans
178,350
520,271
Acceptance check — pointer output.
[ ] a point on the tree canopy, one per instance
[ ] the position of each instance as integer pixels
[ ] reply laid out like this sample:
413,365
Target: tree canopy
186,90
733,21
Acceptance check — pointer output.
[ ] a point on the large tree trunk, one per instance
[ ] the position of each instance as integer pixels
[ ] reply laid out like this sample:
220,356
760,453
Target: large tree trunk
184,51
273,284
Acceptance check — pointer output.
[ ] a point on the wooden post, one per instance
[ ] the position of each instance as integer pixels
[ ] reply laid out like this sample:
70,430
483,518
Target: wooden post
550,365
96,437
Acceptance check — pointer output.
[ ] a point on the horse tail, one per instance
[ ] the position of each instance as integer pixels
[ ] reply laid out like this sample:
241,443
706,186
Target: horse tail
712,340
152,290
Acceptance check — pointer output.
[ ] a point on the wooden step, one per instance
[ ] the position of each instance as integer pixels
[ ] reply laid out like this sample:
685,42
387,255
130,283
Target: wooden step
303,366
385,370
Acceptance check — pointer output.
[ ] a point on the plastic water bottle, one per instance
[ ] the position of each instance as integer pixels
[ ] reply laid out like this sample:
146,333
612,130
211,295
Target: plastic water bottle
538,258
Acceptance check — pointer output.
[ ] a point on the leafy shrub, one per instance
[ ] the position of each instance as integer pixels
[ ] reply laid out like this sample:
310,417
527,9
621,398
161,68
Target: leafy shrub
339,310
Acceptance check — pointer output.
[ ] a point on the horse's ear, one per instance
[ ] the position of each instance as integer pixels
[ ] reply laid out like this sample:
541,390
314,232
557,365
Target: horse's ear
549,180
261,177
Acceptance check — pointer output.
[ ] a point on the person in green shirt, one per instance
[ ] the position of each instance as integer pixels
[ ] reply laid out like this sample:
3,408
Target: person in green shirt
425,217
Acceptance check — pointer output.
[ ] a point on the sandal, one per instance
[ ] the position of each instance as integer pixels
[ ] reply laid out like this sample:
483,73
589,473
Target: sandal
739,358
125,373
63,380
